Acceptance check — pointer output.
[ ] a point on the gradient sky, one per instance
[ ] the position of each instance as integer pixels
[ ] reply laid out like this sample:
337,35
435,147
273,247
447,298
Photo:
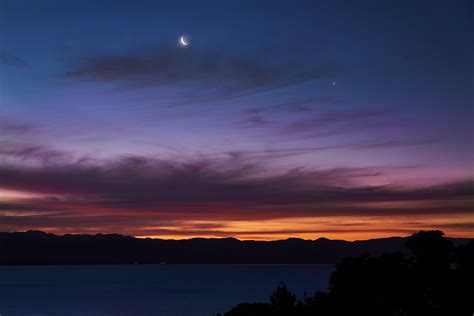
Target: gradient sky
342,119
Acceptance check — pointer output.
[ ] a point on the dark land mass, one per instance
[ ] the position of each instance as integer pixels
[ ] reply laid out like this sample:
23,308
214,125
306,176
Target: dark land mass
39,248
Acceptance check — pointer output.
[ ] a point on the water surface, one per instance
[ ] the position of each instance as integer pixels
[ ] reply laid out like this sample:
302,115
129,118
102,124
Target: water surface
180,290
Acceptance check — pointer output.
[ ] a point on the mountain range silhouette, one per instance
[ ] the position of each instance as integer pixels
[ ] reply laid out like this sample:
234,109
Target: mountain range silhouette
40,248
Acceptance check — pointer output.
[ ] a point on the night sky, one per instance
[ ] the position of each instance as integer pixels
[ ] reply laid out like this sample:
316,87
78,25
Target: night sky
342,119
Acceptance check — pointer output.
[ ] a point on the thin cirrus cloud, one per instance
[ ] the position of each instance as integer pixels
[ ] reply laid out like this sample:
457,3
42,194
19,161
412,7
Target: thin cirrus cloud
320,119
295,105
164,205
35,153
211,196
144,183
11,127
12,60
214,74
323,123
150,195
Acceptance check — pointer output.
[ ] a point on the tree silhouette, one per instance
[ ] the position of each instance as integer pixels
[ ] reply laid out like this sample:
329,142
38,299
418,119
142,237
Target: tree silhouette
282,300
437,279
431,250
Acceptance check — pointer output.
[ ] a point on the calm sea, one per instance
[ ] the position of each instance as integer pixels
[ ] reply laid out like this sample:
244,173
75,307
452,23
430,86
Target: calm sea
180,290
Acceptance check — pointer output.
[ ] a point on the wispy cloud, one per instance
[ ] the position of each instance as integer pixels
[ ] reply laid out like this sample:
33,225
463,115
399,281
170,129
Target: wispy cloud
40,154
333,123
13,60
210,73
143,183
321,123
9,126
294,104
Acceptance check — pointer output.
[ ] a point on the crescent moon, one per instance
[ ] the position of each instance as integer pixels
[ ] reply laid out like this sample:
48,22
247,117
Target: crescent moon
183,41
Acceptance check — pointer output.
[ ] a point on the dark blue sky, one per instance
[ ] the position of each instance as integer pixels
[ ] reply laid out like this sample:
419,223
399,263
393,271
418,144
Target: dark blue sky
326,94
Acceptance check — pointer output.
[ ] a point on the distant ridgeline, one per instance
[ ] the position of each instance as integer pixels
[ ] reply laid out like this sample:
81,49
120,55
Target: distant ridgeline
36,247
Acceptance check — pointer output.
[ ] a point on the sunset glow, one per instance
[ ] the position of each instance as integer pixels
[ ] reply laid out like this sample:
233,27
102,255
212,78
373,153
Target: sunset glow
363,131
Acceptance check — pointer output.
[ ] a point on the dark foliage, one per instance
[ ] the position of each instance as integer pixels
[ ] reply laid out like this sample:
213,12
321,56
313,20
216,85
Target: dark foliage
437,278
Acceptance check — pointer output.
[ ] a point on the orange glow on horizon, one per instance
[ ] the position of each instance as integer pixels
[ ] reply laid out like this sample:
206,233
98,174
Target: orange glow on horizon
346,228
143,224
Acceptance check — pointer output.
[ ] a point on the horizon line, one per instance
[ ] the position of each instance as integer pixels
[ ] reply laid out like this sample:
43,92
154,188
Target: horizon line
214,238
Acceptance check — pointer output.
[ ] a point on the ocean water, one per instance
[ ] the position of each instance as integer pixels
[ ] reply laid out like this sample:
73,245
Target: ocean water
180,290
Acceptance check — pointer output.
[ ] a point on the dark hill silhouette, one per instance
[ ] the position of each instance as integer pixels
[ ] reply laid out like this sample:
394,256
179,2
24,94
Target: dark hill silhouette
36,247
